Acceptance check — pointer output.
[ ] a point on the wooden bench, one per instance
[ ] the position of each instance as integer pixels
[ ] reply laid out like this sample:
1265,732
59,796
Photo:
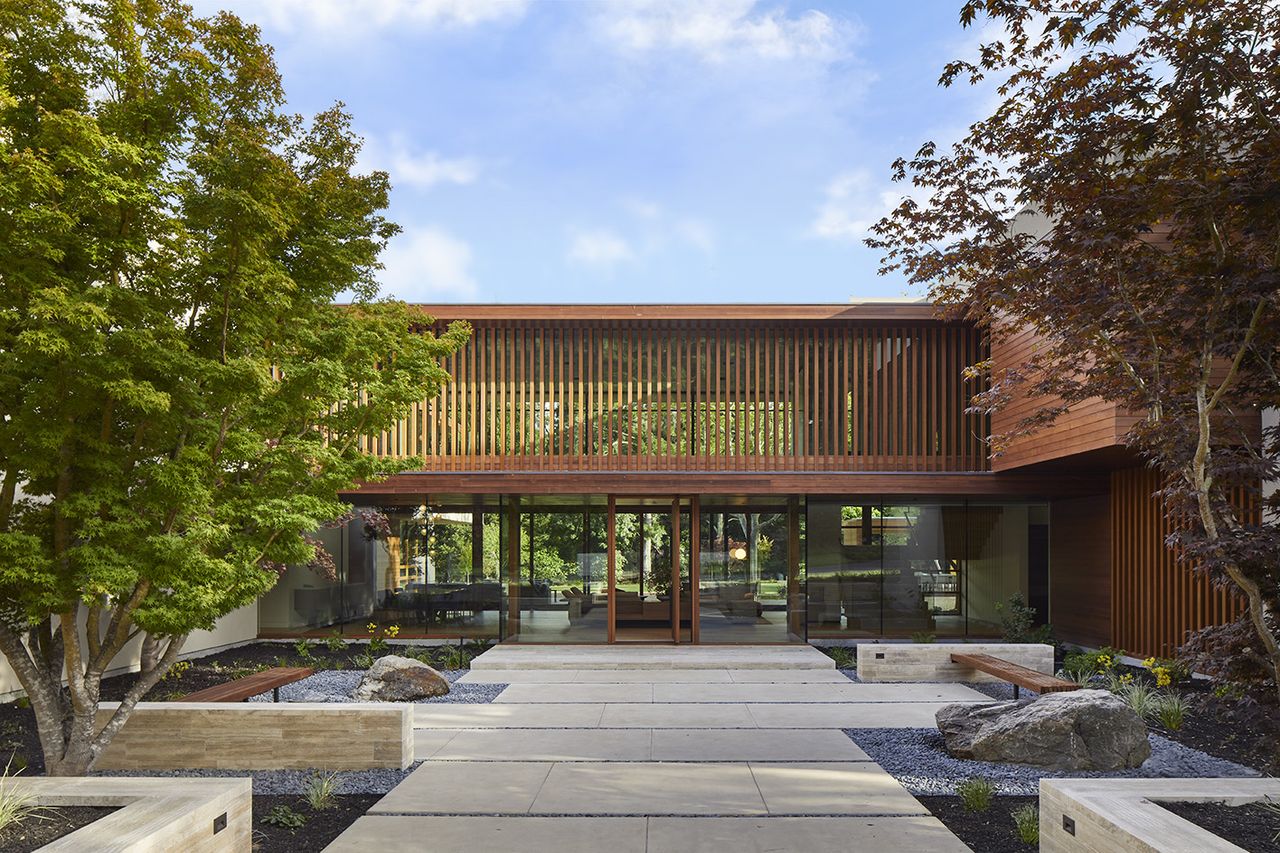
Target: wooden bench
1015,674
240,689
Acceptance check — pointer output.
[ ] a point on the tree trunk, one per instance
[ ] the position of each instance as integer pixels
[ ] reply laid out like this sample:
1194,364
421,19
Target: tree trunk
69,736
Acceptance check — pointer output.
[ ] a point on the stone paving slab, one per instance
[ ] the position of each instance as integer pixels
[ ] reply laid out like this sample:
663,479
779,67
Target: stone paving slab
751,745
577,693
647,789
513,716
492,834
784,676
674,716
802,693
549,745
808,834
654,676
427,742
511,656
465,787
833,788
887,715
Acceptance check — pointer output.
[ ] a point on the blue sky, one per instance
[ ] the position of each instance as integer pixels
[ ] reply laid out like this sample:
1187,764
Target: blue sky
629,151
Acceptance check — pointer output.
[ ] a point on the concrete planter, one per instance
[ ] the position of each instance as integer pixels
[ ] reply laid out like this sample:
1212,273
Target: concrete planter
1093,815
158,815
932,661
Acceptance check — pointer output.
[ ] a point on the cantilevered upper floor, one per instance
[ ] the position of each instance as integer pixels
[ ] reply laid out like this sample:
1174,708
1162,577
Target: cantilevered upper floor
875,386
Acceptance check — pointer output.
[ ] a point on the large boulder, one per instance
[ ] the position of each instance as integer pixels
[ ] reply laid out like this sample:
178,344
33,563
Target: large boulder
1077,730
398,679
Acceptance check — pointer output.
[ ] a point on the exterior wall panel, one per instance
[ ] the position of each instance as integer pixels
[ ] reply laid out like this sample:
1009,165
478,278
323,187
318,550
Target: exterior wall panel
701,396
1155,601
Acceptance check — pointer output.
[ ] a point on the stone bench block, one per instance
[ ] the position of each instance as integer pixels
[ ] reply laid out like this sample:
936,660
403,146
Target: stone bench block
932,661
261,736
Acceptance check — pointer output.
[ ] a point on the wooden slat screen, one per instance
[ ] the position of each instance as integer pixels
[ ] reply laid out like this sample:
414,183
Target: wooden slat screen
703,396
1155,599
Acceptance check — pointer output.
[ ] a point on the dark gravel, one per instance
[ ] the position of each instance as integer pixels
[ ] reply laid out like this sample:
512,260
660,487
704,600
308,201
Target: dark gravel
917,759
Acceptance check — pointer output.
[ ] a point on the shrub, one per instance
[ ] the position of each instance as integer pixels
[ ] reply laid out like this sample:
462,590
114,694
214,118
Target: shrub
923,637
843,656
1086,664
1139,696
362,661
285,818
455,657
17,803
1167,671
976,794
1018,622
321,790
303,648
1027,821
334,641
176,671
1171,710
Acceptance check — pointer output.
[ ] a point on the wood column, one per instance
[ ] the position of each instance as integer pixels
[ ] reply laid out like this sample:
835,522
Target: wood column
695,567
612,537
675,569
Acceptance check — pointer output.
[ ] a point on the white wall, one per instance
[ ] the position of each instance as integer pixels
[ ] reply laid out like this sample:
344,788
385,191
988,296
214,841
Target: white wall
237,627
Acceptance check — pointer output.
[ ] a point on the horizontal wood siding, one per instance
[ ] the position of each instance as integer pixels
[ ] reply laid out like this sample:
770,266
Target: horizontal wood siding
1155,601
701,395
1090,425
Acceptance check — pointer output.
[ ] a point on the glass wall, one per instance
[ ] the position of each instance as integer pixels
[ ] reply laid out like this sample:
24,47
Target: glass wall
899,569
749,580
428,570
556,580
645,555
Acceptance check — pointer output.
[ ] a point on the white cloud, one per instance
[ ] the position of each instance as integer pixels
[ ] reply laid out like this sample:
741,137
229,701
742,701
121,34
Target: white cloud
421,169
720,30
343,17
428,263
852,204
697,233
599,247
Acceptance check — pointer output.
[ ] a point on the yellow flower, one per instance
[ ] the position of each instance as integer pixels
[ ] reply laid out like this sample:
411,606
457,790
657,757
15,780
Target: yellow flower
373,627
1149,663
393,630
1105,661
1162,677
1127,678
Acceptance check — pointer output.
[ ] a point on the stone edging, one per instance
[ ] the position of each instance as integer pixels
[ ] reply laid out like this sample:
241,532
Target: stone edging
191,815
1122,815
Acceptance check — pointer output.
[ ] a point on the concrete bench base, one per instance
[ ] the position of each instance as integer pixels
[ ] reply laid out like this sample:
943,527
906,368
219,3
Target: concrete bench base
932,661
261,736
1096,815
157,815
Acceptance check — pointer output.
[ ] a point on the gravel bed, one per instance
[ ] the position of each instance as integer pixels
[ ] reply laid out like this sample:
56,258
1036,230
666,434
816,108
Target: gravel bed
917,759
337,685
287,781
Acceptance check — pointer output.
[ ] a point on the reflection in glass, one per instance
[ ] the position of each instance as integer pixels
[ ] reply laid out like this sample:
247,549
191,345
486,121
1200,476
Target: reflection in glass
920,569
744,580
556,581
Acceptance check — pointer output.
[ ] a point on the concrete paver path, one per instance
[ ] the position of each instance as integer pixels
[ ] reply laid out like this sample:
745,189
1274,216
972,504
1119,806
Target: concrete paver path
656,750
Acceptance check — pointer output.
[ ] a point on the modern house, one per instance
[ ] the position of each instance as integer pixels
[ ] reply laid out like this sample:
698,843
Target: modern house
741,474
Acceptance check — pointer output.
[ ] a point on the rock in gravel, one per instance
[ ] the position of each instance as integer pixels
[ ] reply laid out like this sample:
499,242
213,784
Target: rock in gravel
399,679
1078,730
